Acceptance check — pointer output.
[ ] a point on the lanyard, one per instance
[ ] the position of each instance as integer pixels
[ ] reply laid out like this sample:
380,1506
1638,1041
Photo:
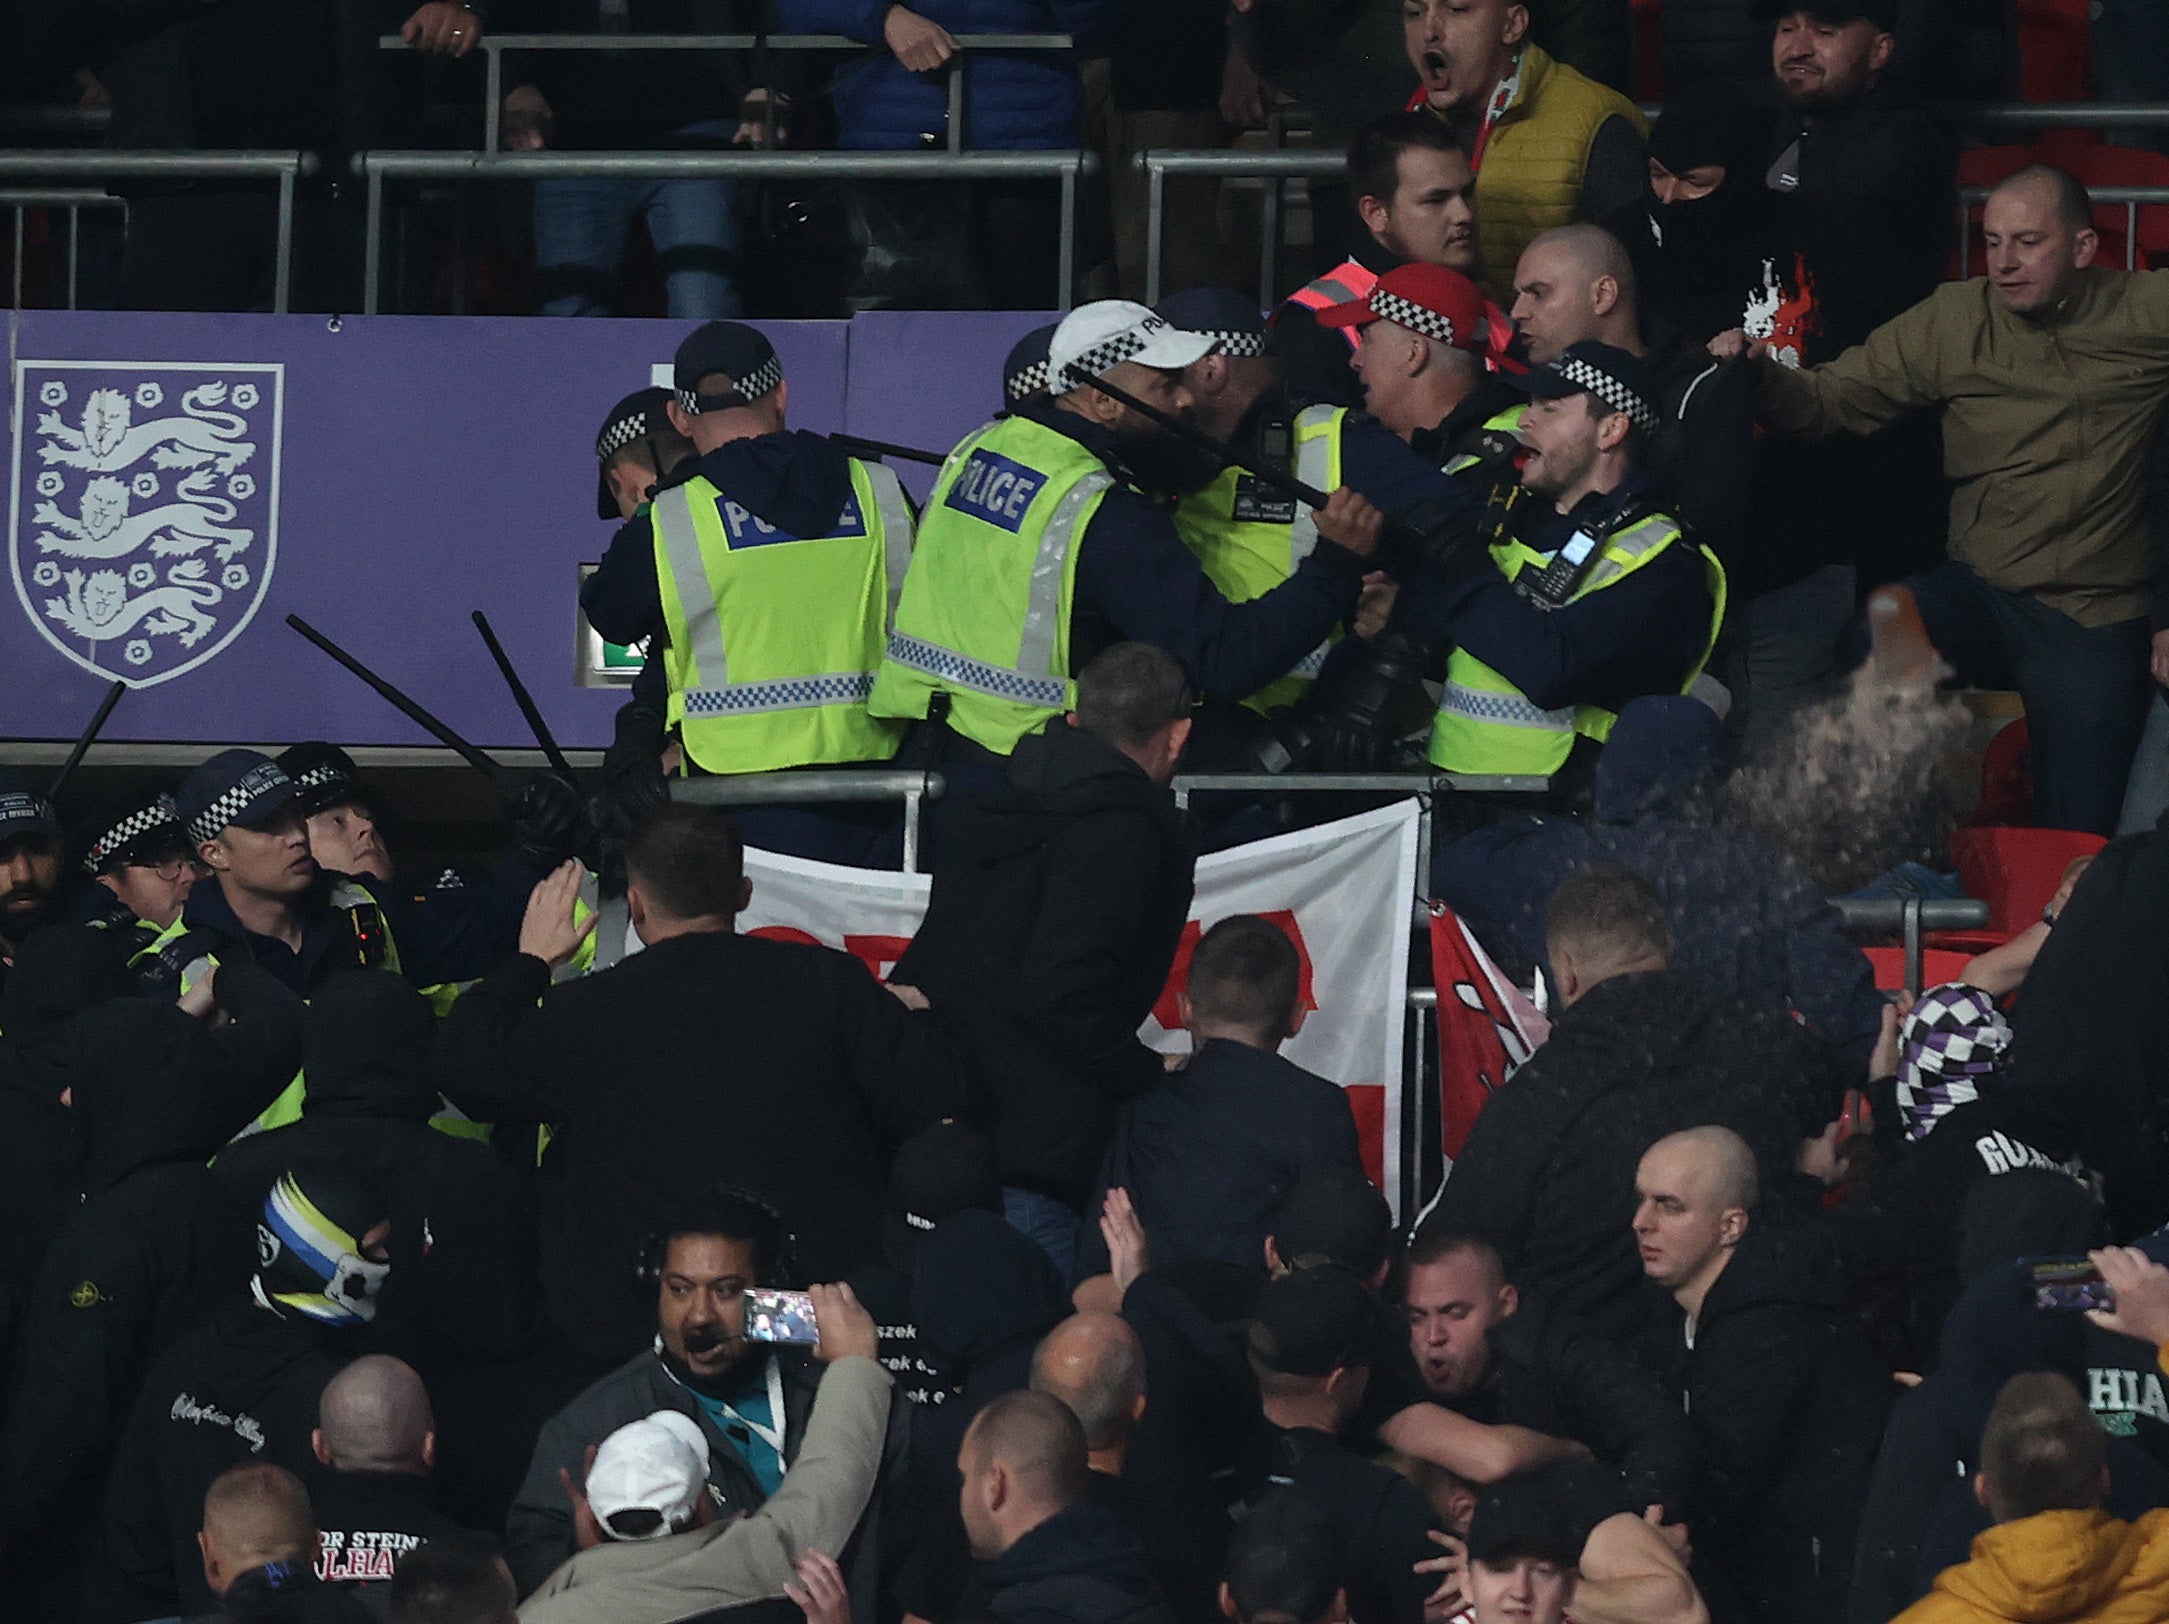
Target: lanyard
1502,98
771,1436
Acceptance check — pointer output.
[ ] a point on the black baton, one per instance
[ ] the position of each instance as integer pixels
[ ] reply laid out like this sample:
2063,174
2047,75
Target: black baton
881,448
522,698
82,743
501,776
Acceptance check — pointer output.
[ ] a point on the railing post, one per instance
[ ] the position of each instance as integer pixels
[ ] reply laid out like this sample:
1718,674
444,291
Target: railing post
1155,225
493,93
1065,292
956,101
912,803
1269,240
373,236
75,235
282,278
1914,953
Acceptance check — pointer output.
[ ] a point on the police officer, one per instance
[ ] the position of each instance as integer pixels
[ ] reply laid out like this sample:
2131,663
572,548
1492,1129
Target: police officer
345,833
771,564
30,863
1421,334
637,448
137,857
1024,369
1039,548
1591,595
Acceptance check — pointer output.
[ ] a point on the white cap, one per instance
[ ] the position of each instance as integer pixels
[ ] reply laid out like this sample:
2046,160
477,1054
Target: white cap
1098,337
659,1464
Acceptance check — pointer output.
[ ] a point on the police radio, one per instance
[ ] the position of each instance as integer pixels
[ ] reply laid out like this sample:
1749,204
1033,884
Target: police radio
1555,584
1255,501
372,947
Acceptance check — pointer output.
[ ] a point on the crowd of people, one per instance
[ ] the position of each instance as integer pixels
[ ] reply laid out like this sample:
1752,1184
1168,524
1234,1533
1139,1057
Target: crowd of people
529,1241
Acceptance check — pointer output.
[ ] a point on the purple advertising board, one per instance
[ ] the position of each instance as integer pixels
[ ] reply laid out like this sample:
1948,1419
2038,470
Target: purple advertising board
179,484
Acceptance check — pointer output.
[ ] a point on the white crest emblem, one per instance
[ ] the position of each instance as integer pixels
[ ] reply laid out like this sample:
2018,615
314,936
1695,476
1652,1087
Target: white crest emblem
145,514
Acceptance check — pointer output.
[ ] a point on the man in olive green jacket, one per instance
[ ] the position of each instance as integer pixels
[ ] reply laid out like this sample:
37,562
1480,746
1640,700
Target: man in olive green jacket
2051,372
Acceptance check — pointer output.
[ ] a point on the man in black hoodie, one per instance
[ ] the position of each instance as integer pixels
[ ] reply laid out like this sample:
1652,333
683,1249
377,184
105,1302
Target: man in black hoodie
155,1246
243,1386
771,565
1547,1174
1056,909
1786,1397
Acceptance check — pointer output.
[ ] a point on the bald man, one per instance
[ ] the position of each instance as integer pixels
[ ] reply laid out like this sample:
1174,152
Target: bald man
2051,372
1095,1364
1786,1397
1047,1543
259,1543
376,1438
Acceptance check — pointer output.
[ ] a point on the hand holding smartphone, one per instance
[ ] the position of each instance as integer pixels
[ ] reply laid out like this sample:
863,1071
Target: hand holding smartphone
784,1317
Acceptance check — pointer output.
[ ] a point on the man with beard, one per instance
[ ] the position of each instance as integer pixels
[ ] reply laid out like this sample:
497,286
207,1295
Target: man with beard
1591,595
29,863
1039,549
750,1399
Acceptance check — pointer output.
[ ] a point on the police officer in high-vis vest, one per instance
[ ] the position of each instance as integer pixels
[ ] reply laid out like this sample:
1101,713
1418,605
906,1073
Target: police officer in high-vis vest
1038,548
1248,536
139,868
770,564
1590,596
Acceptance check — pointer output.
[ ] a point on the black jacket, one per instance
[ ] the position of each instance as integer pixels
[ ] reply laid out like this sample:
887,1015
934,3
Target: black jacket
369,1520
538,1530
1788,1404
2074,1033
1056,909
1551,1375
1209,1155
1382,1520
1547,1174
1080,1566
825,1073
1315,362
243,1386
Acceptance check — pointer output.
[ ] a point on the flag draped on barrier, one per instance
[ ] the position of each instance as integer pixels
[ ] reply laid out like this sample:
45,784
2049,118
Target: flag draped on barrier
1485,1026
1341,891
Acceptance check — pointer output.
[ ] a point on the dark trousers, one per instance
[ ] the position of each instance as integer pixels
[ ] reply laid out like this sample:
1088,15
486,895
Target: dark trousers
2085,687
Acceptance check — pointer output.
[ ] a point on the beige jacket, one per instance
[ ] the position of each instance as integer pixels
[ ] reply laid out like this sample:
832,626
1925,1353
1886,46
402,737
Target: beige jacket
2047,427
748,1560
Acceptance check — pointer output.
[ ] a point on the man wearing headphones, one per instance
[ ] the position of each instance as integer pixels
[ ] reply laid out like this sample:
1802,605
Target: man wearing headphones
750,1399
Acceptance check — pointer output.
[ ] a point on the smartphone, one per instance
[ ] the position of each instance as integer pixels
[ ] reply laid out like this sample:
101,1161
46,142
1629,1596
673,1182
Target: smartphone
781,1316
2069,1285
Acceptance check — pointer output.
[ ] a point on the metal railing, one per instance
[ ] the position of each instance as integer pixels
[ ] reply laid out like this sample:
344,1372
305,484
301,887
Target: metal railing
2132,198
1274,168
813,786
284,166
1910,918
22,201
1069,168
494,46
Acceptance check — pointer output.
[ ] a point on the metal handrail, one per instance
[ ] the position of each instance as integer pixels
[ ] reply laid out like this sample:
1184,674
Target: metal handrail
285,165
21,200
2131,197
1068,167
2062,115
495,45
815,786
1276,166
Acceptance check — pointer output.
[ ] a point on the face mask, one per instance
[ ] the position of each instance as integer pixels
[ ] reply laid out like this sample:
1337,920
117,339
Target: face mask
309,1258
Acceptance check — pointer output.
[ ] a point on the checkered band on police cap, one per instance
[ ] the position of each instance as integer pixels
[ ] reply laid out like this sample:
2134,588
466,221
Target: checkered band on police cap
321,776
253,785
615,438
1596,381
161,813
1110,353
760,381
1025,382
1231,342
1407,313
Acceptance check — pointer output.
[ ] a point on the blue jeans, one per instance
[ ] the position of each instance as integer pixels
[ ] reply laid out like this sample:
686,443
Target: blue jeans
2085,687
1056,1226
580,226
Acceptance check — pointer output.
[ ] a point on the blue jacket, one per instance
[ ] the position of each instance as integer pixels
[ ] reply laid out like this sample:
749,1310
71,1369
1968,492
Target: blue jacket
1013,100
1210,1154
1745,922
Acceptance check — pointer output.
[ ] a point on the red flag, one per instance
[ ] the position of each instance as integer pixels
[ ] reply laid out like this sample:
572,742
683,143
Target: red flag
1485,1026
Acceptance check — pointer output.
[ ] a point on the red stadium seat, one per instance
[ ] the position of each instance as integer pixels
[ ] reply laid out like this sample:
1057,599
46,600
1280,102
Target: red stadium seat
2126,166
2054,50
1937,965
2006,778
2016,871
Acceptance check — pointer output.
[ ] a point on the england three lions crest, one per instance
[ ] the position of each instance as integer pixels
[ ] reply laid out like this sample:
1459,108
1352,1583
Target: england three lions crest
145,515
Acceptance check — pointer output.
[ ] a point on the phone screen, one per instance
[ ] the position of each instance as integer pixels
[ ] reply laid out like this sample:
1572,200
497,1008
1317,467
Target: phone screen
781,1316
2069,1285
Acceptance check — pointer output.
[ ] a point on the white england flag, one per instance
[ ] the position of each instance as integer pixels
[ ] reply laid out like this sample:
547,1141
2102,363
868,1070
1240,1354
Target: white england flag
1340,890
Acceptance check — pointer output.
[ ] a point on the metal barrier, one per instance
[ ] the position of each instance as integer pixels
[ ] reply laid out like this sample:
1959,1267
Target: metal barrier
812,786
1273,167
284,166
1067,167
75,202
1910,917
494,46
2131,197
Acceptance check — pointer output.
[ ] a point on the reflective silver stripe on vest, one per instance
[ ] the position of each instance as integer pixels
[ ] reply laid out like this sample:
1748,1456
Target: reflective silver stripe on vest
1313,466
895,510
1043,614
673,516
962,671
1313,662
780,694
1637,541
1505,710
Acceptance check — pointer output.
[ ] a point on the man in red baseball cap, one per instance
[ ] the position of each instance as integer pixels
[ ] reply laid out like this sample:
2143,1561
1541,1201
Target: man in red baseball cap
1422,333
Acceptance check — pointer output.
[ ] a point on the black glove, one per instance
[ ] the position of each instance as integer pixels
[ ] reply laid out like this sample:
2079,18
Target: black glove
1343,724
1435,537
633,785
549,824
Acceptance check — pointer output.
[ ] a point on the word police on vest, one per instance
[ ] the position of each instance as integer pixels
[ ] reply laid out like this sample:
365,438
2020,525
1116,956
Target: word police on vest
746,529
995,489
649,1477
1096,338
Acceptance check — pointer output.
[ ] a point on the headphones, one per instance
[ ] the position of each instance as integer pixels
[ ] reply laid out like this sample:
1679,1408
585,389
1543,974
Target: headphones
710,1214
